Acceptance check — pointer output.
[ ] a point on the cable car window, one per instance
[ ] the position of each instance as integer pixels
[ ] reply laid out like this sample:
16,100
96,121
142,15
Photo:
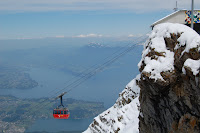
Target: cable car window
57,112
65,112
61,112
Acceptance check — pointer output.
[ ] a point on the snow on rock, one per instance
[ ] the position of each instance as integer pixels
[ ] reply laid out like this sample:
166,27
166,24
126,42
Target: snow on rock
122,116
157,57
194,65
188,36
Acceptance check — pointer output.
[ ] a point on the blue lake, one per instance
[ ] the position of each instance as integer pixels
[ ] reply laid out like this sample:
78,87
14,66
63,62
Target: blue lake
53,125
104,87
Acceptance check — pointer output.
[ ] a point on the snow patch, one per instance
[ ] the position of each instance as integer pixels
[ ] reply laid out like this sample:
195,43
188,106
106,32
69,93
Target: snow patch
163,58
188,37
194,65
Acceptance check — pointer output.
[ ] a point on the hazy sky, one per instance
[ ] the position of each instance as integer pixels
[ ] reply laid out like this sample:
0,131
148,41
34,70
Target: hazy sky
82,18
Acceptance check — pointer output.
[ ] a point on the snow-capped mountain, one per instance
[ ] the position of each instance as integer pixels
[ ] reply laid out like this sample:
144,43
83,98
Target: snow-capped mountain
95,45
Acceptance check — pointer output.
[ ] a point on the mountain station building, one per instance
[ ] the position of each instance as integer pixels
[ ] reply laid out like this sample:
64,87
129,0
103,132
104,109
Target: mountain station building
182,17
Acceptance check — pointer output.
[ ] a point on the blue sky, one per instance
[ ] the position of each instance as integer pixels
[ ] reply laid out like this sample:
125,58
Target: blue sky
69,18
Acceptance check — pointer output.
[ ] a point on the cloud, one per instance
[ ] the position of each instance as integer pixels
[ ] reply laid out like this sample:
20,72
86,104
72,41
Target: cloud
28,38
91,5
88,35
57,36
24,38
135,35
60,36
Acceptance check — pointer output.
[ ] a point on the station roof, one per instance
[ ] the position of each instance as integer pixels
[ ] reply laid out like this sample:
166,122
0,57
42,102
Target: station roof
175,17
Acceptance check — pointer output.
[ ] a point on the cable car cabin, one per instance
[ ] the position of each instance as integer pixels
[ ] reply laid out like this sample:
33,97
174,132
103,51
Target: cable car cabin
62,113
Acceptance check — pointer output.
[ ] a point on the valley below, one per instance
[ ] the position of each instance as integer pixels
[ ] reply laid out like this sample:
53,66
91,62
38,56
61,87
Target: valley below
17,114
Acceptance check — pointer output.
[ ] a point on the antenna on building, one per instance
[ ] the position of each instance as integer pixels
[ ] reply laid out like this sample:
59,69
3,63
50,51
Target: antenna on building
176,8
192,15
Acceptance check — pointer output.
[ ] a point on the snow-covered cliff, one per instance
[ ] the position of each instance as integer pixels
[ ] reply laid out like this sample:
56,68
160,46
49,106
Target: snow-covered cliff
170,82
164,97
123,115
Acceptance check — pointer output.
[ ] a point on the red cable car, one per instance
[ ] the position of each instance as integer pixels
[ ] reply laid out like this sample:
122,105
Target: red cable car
61,112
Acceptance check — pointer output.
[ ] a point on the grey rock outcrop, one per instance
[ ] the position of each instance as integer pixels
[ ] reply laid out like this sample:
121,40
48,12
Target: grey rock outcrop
171,103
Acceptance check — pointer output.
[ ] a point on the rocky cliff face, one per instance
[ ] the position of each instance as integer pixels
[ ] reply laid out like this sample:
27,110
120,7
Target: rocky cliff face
170,82
168,87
